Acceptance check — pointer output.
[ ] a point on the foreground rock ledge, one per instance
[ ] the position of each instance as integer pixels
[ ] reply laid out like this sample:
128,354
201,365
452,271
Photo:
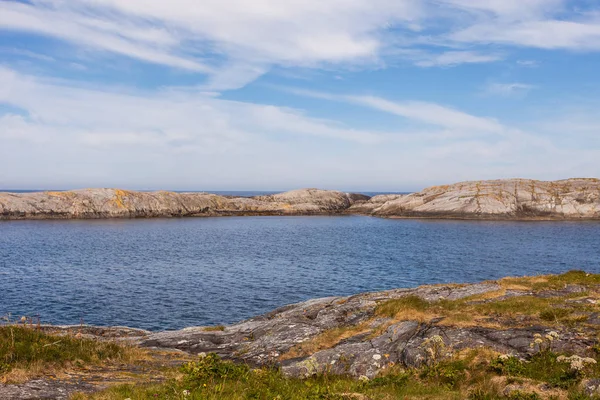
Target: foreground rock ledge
571,199
350,335
358,335
365,334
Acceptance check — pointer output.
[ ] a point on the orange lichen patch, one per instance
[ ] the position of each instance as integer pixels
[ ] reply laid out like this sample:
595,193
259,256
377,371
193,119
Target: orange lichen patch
121,197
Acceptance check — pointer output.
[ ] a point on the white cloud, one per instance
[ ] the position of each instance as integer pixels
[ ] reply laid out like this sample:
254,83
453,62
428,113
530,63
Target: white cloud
180,138
175,117
549,34
453,58
528,63
233,42
142,42
508,89
424,112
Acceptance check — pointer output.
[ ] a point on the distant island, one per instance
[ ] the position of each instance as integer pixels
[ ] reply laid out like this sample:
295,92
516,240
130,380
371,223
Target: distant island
519,199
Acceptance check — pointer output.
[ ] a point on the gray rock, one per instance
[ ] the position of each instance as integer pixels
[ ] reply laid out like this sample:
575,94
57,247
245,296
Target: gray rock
264,339
44,390
572,199
497,199
116,203
591,387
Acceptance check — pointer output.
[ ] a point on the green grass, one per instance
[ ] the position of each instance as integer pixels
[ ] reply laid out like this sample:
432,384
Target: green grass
574,277
556,310
26,348
211,378
392,307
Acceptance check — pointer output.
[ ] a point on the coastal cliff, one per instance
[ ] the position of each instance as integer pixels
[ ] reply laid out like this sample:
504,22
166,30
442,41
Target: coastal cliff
572,199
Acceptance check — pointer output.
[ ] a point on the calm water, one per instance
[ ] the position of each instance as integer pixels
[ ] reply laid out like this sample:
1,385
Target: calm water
172,273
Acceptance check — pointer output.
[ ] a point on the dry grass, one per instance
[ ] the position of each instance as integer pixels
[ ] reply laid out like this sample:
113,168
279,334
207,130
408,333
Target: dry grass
325,340
217,328
27,352
491,310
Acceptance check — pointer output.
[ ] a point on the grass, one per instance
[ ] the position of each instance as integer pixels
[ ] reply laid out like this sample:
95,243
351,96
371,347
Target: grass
489,310
216,328
555,282
476,375
27,352
325,340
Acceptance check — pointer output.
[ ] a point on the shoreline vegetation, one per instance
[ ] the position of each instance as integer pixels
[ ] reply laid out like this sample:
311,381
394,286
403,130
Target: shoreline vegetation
507,199
515,338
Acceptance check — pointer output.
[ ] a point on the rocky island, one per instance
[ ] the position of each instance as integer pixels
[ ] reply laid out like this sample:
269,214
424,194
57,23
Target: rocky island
533,337
571,199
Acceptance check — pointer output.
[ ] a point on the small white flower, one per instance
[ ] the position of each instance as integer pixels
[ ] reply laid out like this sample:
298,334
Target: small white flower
186,393
376,356
363,378
202,355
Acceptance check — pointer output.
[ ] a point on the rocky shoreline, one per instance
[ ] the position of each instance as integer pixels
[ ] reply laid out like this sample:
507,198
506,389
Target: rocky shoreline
517,199
365,334
313,336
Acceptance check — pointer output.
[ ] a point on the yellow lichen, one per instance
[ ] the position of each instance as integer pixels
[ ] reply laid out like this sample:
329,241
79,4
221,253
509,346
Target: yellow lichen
121,197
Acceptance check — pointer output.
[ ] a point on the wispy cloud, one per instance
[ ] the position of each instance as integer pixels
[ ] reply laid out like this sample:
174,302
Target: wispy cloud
453,58
424,112
508,89
233,42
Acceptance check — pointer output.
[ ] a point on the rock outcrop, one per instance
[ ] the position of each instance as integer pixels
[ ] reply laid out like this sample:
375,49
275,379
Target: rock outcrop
366,335
573,199
351,335
498,199
116,203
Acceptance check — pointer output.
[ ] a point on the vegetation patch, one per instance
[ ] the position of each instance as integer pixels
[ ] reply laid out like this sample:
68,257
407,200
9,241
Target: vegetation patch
494,310
325,340
217,328
468,377
26,351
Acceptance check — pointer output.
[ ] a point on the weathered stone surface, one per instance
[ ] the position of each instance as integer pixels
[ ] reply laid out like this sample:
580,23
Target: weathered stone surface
369,342
44,390
572,199
115,203
380,342
591,387
497,199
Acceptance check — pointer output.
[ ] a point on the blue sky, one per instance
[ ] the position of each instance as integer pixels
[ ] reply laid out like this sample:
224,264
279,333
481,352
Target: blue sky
380,95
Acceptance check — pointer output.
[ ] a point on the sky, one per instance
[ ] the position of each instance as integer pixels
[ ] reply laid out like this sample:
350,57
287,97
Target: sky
371,95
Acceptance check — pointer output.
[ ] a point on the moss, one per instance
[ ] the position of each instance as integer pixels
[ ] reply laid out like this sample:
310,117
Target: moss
216,328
